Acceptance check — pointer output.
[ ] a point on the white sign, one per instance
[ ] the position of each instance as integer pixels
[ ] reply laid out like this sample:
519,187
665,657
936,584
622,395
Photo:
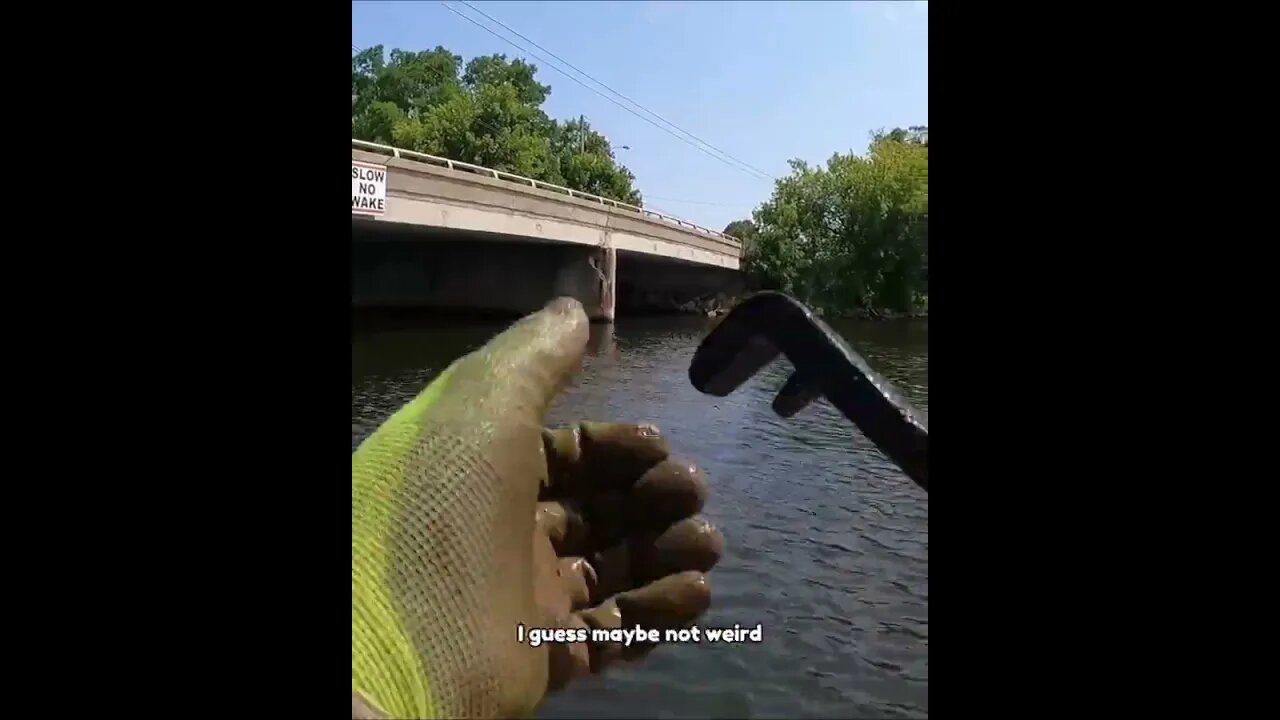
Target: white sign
368,188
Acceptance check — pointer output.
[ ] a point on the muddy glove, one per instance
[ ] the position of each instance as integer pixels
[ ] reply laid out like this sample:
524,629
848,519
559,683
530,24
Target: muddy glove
472,525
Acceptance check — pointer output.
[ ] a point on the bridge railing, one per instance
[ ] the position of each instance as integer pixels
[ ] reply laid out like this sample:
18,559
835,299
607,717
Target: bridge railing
541,185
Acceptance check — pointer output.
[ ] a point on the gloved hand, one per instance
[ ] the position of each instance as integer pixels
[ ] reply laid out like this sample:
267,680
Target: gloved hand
452,550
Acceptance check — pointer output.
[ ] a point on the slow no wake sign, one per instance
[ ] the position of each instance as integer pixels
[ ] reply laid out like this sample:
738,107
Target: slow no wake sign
368,189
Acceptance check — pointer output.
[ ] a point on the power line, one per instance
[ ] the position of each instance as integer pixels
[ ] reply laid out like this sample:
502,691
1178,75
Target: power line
745,168
602,84
740,163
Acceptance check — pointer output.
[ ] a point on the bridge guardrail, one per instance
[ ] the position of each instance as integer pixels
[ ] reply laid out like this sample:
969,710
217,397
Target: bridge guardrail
540,185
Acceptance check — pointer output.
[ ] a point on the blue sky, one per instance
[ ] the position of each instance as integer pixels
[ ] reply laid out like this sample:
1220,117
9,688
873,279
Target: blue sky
762,81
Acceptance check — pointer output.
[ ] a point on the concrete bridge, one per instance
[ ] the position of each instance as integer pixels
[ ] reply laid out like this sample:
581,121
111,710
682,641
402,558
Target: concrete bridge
432,232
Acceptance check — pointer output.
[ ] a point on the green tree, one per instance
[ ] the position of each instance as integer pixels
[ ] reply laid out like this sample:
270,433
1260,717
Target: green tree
853,234
585,161
744,230
489,114
495,70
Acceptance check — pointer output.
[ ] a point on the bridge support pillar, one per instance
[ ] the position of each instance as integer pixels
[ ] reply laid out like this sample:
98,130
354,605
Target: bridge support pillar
589,275
608,284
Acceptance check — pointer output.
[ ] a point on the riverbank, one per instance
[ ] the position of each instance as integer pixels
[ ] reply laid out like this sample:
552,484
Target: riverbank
873,314
721,303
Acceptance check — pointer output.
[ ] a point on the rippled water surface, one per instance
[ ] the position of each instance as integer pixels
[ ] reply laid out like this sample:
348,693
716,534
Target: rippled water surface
827,542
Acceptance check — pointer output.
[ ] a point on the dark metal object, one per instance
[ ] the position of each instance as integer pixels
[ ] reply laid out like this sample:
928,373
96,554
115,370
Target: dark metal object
753,334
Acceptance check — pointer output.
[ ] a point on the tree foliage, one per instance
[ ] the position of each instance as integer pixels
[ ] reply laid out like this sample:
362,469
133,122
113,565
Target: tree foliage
853,234
487,113
744,230
741,229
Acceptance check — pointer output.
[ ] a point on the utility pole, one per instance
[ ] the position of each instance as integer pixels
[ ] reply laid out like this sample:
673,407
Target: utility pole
582,134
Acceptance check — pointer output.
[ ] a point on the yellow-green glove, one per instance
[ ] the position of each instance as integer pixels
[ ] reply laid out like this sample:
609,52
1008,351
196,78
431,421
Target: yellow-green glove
470,521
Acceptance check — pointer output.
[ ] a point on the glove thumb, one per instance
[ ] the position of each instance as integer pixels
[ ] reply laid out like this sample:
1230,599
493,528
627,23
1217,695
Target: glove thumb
528,364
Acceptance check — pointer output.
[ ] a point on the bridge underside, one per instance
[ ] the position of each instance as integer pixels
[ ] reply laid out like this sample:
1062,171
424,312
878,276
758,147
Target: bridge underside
646,283
412,266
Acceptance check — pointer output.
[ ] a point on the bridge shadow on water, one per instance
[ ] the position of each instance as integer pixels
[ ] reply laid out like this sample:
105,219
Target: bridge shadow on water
390,319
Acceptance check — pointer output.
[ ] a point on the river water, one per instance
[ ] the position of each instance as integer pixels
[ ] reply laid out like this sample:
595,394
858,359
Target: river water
827,543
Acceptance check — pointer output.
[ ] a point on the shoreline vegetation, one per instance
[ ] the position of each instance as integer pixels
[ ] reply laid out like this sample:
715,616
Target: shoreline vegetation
849,238
721,303
716,310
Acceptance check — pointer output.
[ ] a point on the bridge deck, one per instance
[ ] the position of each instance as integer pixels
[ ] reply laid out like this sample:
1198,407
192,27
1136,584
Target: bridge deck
457,197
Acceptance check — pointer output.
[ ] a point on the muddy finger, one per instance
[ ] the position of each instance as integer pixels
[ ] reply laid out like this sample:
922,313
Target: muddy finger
666,493
608,512
604,616
613,568
691,544
674,602
579,580
594,455
564,524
